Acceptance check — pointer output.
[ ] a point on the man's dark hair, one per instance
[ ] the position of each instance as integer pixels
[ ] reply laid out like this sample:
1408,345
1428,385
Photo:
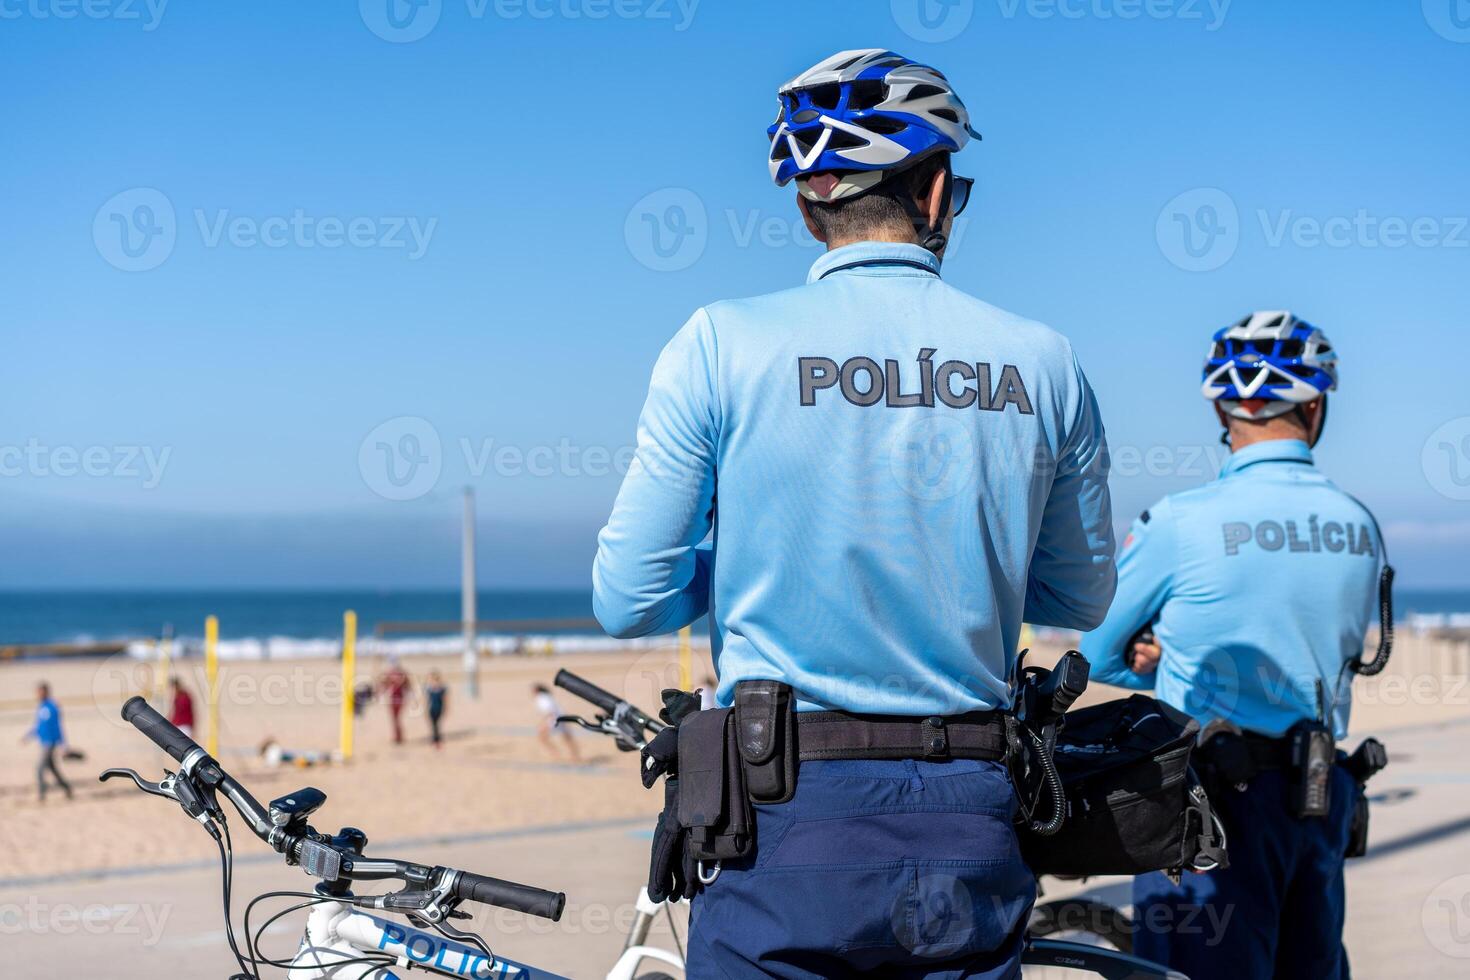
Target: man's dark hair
881,207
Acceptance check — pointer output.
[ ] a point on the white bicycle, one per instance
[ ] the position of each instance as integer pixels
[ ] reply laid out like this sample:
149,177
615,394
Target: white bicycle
343,940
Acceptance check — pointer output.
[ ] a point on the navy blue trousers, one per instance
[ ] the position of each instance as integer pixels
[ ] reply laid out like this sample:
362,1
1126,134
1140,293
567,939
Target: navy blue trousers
1277,911
893,869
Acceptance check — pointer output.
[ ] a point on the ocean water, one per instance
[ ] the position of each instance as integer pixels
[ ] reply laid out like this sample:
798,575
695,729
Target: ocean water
106,616
256,616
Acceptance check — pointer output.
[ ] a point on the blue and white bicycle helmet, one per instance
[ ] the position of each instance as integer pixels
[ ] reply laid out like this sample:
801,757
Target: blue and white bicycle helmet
861,116
1267,364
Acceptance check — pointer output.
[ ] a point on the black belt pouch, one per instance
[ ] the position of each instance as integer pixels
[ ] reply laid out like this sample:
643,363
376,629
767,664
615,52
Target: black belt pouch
713,803
765,723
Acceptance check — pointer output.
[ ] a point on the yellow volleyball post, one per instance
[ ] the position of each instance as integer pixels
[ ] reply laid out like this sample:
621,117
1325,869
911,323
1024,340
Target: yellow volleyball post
349,681
686,665
211,676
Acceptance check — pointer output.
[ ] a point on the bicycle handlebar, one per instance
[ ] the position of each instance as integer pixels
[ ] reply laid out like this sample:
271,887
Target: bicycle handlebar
509,895
158,728
587,691
612,705
194,762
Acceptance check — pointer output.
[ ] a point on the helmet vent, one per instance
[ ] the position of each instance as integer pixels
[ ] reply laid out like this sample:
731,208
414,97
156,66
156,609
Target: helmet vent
884,126
825,96
806,116
1278,321
1291,348
924,91
866,94
946,113
1263,346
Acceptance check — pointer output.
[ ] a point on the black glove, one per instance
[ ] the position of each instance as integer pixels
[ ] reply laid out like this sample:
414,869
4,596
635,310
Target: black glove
672,873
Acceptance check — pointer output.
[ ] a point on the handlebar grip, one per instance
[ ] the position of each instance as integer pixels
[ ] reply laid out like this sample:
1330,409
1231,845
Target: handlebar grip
158,728
509,895
587,691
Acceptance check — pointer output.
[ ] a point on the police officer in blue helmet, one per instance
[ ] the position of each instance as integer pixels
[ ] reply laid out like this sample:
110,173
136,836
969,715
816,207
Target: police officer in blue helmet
866,483
1245,603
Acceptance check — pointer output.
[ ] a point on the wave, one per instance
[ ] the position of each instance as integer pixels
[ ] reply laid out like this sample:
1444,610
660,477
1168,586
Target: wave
325,648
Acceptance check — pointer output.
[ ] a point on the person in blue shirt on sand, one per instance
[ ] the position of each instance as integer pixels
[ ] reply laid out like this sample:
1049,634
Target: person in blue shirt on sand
867,483
1245,603
47,731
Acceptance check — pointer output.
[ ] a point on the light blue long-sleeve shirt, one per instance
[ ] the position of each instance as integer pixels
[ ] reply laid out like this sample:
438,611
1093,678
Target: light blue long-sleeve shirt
1258,585
891,475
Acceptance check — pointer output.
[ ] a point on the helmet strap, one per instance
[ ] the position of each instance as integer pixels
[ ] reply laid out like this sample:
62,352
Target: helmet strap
1321,424
929,237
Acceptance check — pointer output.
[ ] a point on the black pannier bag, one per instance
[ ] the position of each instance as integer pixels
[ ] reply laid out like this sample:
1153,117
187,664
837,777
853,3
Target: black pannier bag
1133,804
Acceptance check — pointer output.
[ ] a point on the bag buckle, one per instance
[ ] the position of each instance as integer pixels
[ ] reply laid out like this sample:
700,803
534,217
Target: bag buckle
935,739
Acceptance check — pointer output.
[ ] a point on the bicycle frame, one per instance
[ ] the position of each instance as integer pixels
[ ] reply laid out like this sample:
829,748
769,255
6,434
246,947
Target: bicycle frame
336,932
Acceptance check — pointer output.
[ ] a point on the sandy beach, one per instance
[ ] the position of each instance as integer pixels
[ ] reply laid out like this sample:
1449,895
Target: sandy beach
494,794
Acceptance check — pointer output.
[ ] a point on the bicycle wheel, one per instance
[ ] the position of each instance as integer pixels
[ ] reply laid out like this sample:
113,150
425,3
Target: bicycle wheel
1084,920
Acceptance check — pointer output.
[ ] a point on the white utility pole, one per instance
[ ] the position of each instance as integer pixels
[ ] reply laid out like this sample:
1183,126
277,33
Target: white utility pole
467,596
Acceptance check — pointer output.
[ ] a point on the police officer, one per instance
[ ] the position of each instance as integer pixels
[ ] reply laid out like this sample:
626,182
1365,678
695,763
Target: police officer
891,476
1244,603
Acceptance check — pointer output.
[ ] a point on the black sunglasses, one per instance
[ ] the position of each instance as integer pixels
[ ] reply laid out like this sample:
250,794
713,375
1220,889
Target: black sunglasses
960,195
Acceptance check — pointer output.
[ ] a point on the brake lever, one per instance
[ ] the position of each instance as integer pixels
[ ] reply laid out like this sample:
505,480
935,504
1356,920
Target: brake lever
177,788
460,936
154,789
581,722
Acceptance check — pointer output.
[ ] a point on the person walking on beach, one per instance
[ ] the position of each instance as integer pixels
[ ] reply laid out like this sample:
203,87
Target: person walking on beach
1245,603
181,707
548,725
47,731
892,475
435,693
394,686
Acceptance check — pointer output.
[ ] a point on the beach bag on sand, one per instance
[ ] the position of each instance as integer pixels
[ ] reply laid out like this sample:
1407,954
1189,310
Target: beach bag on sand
1133,804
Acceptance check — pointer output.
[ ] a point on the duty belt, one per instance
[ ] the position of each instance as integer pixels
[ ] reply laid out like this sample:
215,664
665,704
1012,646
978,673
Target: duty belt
843,735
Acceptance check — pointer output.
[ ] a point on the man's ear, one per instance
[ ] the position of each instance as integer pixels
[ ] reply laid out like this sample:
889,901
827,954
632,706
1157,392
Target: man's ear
934,200
806,216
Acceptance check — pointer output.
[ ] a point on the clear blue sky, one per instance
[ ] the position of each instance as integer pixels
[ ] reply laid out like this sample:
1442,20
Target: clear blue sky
521,139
